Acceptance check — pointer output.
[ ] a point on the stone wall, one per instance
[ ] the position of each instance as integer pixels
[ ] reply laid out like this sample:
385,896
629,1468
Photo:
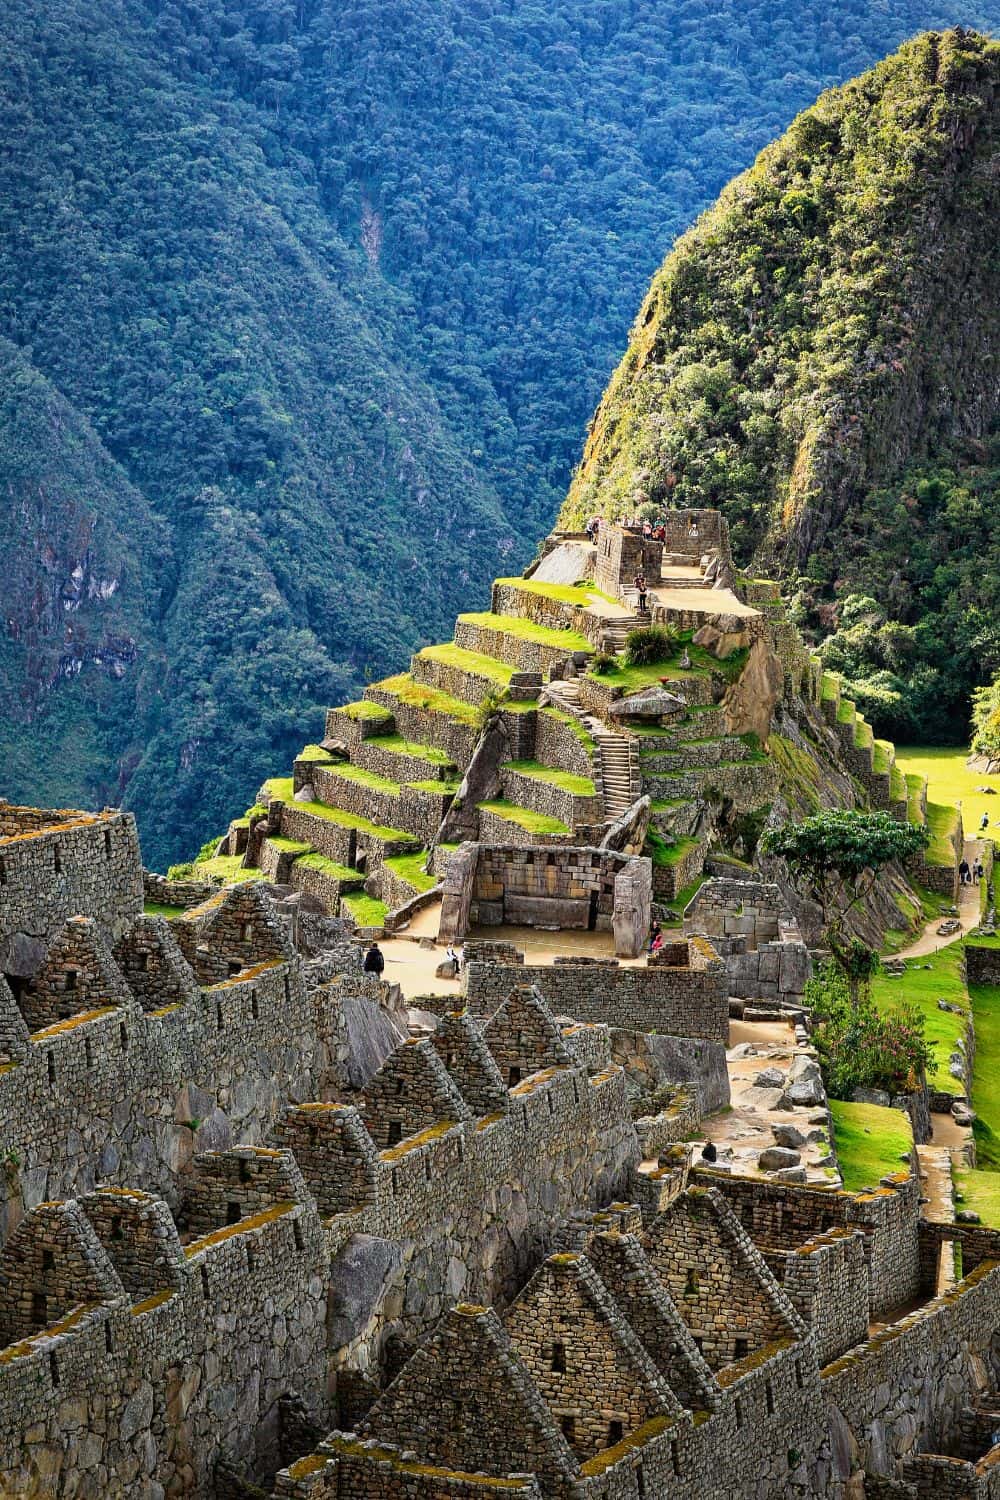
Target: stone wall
183,893
688,1000
126,1379
779,1216
621,554
55,864
910,1382
408,808
549,799
156,1068
982,964
557,745
756,936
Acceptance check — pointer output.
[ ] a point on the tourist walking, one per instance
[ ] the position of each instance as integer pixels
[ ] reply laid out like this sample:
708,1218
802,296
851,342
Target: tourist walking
978,870
984,822
654,933
374,960
963,872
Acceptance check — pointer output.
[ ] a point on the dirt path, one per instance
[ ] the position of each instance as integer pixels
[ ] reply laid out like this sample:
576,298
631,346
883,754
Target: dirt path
968,914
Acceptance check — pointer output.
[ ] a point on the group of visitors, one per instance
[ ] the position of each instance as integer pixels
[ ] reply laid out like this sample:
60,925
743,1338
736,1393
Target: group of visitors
971,874
655,938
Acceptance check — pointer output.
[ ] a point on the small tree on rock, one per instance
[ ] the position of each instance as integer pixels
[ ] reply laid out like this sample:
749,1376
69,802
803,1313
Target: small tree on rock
835,858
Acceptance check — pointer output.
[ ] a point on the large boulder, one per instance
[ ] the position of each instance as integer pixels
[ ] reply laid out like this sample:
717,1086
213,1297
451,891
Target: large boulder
750,702
628,833
652,703
360,1276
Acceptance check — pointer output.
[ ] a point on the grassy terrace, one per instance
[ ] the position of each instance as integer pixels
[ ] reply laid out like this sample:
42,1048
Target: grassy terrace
330,868
870,1141
417,695
410,867
881,756
666,854
365,910
949,780
398,744
938,976
527,630
281,788
582,593
474,662
914,797
567,781
532,821
580,730
830,687
363,709
227,867
941,823
161,909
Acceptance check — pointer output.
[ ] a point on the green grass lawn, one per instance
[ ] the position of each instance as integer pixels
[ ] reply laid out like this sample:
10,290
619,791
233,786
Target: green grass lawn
949,780
914,797
281,788
566,593
419,695
398,744
473,662
941,822
524,817
363,709
979,1191
365,910
870,1142
228,867
666,854
410,867
330,868
580,730
632,679
924,986
567,781
160,909
527,630
986,1073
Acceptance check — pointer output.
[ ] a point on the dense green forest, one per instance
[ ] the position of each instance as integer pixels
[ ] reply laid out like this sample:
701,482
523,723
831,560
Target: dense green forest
303,309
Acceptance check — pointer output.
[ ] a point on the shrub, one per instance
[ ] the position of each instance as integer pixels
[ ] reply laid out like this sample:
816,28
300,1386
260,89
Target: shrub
602,663
651,644
858,1047
488,706
181,872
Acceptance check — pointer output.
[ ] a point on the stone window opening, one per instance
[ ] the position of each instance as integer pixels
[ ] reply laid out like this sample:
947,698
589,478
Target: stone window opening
39,1310
297,1235
559,1358
246,935
691,1282
738,1410
88,1052
699,1343
233,1212
513,1077
52,1066
109,1341
769,1397
399,1086
616,1431
107,844
234,968
54,1368
288,991
48,1261
568,1425
140,962
204,1282
427,1169
116,1228
254,1006
741,1348
640,1482
394,1132
675,1455
251,1259
218,1015
3,872
71,979
798,1374
56,859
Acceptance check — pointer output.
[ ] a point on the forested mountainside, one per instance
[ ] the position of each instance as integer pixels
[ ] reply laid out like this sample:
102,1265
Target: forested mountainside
820,357
306,305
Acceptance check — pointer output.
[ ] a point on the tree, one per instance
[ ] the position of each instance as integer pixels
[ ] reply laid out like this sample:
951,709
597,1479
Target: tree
834,858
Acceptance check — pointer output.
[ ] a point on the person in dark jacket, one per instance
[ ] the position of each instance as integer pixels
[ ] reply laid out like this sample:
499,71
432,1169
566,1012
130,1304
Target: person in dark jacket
374,960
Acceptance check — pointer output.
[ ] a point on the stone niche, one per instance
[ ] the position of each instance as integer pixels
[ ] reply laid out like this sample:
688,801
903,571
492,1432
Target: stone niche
568,888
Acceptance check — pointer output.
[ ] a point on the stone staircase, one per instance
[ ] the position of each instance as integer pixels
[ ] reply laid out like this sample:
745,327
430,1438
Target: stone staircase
615,751
616,632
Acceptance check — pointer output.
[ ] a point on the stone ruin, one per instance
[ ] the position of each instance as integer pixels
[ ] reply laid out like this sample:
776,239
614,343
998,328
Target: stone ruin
266,1231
